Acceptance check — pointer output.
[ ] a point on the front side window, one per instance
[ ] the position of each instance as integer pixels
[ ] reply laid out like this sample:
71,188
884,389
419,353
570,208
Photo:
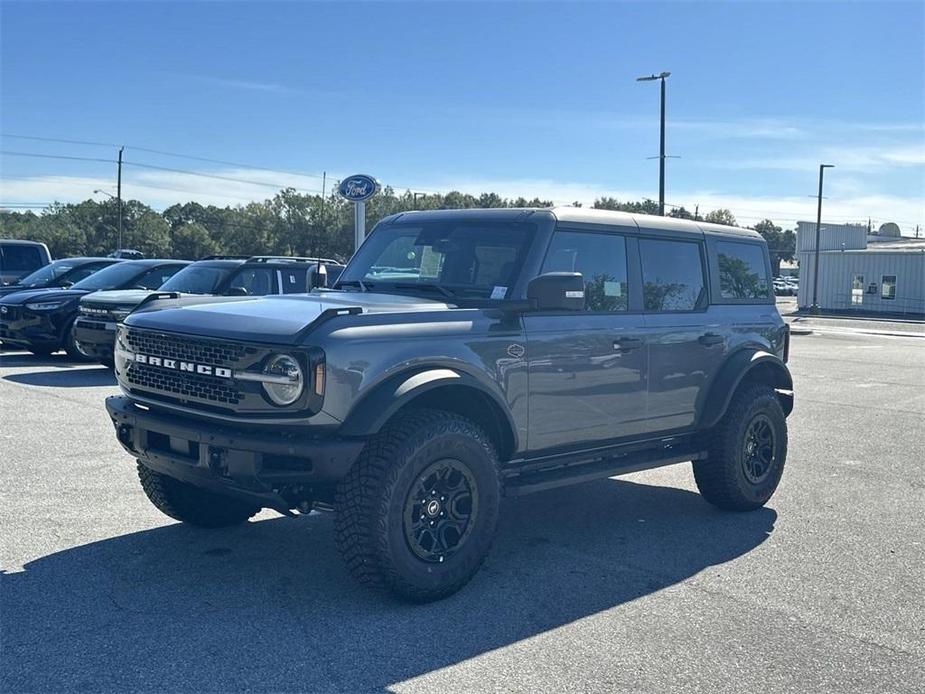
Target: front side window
888,287
672,275
47,273
742,271
478,260
601,260
256,281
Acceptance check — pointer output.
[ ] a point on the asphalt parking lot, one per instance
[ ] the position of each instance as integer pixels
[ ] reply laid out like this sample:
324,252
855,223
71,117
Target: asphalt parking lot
633,584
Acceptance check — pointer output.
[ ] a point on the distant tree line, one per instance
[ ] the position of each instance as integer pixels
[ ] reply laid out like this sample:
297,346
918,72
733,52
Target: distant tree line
289,223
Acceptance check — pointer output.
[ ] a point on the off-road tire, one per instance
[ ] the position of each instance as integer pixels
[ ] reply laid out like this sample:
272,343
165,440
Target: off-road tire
721,477
190,504
370,504
70,346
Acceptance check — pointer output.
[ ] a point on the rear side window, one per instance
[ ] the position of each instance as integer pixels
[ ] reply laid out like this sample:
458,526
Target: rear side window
294,280
600,258
742,271
672,275
16,258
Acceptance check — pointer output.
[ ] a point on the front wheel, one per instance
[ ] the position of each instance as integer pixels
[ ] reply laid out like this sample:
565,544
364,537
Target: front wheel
747,452
417,512
190,504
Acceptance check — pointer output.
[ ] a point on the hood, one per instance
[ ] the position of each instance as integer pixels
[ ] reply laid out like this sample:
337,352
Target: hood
278,319
51,294
117,297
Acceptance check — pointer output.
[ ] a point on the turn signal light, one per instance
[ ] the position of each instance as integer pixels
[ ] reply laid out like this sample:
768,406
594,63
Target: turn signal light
319,379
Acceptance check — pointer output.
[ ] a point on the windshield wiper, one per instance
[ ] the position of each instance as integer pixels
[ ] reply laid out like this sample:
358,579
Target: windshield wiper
355,283
427,286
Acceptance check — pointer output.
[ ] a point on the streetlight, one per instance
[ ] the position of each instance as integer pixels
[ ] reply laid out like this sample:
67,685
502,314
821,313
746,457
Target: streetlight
661,156
119,199
815,307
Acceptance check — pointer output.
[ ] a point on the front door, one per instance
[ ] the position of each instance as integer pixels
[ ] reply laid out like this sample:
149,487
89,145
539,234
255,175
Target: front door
587,370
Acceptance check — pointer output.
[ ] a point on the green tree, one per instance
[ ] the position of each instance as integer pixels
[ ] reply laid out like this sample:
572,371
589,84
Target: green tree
721,216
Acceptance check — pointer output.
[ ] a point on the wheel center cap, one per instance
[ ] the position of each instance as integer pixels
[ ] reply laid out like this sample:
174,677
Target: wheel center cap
433,508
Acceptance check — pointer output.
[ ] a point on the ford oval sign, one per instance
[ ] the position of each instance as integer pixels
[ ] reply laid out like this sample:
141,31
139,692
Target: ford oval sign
358,188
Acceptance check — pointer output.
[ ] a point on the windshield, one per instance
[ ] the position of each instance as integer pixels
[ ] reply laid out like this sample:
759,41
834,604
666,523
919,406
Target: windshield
197,280
46,274
465,259
112,277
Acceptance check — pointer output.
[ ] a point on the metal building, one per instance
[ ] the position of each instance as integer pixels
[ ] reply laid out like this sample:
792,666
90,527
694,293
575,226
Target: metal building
879,272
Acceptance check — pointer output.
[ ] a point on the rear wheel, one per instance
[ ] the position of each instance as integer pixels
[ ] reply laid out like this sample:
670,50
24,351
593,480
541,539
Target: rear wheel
417,512
747,452
190,504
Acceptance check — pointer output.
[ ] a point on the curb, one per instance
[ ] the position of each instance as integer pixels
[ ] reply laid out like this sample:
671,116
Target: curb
800,331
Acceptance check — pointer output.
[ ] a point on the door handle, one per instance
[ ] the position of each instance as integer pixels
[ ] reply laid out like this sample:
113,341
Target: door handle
624,344
711,339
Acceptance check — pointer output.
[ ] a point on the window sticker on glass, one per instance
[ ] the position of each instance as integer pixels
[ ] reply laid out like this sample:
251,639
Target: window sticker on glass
498,292
613,288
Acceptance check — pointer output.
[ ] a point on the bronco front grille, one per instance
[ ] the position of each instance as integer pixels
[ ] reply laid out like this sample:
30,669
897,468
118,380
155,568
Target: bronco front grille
212,352
184,385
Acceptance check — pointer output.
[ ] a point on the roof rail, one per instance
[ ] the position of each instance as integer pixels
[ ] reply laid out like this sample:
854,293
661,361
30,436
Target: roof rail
224,257
290,259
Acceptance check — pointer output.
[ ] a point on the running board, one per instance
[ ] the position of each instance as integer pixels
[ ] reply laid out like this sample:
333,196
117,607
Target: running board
536,481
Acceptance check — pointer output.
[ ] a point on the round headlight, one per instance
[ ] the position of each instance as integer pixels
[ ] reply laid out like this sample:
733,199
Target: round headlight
285,382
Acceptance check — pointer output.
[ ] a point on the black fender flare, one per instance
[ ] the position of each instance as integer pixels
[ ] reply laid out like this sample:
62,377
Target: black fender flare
737,367
384,400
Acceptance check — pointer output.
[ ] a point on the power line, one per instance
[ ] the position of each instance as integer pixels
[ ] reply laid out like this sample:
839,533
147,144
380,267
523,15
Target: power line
36,155
56,139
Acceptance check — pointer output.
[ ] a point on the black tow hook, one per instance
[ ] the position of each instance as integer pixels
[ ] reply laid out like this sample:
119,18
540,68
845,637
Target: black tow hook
124,434
217,460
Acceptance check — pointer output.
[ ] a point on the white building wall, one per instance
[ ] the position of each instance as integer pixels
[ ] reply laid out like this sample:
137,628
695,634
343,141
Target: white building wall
837,270
832,237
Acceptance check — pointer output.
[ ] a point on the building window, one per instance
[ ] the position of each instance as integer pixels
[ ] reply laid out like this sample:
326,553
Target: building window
888,287
857,289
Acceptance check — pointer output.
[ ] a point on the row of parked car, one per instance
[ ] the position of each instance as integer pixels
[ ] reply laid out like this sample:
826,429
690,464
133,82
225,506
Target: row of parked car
786,286
74,304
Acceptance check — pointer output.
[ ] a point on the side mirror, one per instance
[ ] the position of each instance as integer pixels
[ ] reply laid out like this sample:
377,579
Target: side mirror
557,291
66,284
236,291
318,277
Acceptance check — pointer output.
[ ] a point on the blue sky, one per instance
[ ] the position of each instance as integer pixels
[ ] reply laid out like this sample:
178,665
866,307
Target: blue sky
522,99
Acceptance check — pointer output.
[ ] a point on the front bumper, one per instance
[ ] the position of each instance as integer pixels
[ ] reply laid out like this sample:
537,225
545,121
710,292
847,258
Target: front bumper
268,466
27,329
95,338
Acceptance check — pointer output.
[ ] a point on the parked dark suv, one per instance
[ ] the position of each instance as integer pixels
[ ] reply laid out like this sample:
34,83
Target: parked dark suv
58,273
19,258
100,312
464,355
42,320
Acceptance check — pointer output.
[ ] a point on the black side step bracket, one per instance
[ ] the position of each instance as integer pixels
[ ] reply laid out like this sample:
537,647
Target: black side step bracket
536,481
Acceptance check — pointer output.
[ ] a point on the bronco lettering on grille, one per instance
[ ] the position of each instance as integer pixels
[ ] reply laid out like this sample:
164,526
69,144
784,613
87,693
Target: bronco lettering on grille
186,366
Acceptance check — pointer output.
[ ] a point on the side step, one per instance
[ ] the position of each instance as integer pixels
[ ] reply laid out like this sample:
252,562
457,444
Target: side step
536,481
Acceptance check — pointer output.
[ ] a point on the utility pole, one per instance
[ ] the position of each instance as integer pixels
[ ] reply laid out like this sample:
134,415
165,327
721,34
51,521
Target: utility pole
661,156
119,195
916,231
815,307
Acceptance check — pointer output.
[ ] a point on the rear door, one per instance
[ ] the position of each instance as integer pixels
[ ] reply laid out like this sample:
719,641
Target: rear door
685,349
587,369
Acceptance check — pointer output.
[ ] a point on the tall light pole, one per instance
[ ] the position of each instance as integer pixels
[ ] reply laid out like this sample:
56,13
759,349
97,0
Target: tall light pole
661,154
815,307
119,196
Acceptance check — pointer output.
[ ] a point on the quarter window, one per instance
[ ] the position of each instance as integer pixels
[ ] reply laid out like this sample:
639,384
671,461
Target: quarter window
672,275
888,287
600,258
742,271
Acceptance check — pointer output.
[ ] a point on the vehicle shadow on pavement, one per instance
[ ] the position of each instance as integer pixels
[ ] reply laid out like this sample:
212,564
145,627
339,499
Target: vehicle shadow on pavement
77,378
269,606
17,359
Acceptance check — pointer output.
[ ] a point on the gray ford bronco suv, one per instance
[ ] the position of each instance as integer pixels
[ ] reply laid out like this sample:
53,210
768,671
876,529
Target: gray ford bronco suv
463,356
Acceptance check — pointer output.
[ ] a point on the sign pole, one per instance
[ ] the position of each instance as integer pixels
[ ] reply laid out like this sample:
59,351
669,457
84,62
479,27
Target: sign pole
359,223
